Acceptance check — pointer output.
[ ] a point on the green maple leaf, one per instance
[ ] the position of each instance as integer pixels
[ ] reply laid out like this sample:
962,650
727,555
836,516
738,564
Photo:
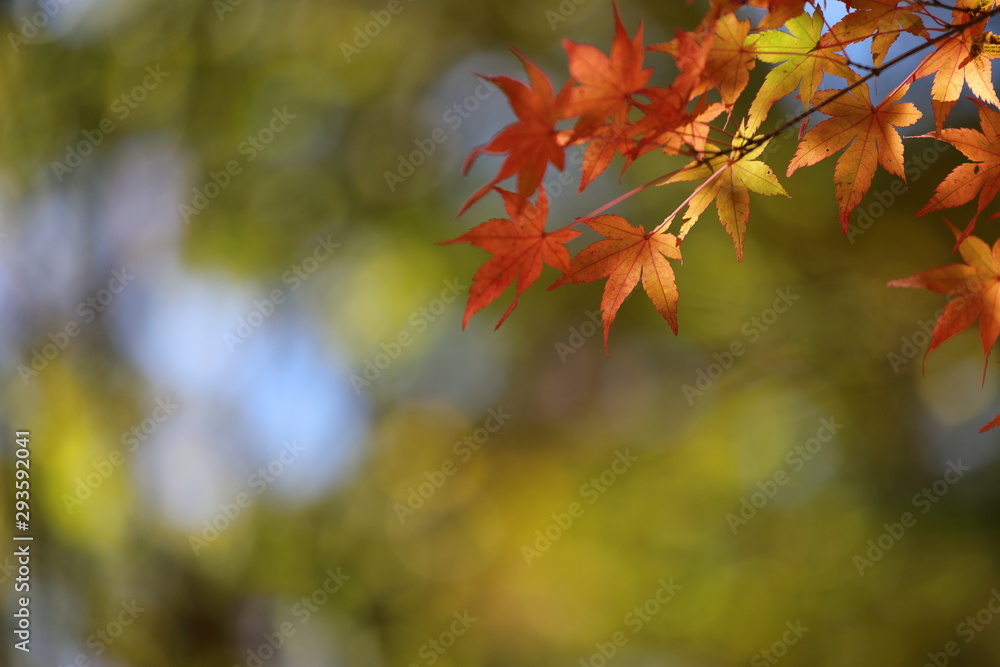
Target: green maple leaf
803,62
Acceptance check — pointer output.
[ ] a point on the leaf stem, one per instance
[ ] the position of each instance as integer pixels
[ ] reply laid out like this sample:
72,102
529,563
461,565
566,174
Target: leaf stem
704,184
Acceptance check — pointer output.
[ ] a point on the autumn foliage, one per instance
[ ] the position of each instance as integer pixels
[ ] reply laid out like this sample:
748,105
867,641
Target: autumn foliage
613,106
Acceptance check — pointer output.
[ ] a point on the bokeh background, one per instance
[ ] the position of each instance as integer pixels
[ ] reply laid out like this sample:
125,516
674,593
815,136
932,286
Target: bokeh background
260,436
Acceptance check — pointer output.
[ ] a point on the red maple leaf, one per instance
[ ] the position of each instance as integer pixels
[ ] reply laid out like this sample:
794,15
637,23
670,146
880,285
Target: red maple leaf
691,51
519,247
992,424
976,284
607,141
668,122
626,255
607,84
533,141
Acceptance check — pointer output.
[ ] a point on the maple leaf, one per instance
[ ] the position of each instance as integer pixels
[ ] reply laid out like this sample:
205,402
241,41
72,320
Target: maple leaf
991,425
731,59
779,11
882,18
519,247
607,84
626,255
669,124
608,141
691,52
731,176
959,60
728,62
803,62
533,141
981,175
692,132
976,284
869,131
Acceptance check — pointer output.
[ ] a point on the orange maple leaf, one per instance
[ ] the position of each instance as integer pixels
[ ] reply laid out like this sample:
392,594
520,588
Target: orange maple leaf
976,284
607,141
779,11
728,62
882,18
981,175
626,255
869,131
533,141
959,60
731,59
607,84
693,131
519,247
669,124
992,424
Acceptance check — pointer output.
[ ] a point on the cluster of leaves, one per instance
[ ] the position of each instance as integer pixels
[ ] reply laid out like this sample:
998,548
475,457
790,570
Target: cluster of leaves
610,107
